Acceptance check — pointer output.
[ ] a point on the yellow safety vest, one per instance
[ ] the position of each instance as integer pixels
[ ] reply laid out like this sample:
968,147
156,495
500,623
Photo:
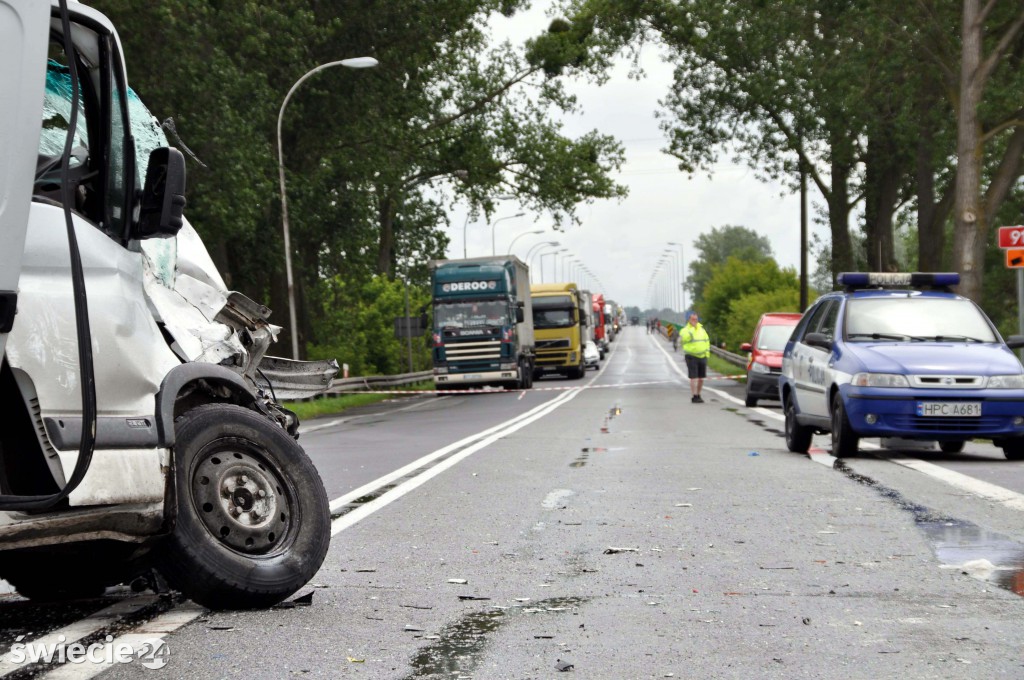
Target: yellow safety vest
695,341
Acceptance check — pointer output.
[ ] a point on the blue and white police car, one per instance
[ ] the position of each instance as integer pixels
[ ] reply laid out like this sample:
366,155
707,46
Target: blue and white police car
901,355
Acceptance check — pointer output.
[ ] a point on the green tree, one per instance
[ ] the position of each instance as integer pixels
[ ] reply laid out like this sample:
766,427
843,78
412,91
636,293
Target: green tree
713,248
734,279
358,323
744,312
372,158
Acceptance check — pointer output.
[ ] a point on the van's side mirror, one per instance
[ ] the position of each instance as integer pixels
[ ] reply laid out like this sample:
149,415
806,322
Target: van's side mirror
520,315
163,196
423,320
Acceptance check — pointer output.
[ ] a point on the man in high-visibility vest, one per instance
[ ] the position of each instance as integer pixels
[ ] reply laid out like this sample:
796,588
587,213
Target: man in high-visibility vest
697,348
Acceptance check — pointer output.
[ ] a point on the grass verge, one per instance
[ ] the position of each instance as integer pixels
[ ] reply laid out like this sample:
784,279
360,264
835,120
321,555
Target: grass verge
329,406
719,365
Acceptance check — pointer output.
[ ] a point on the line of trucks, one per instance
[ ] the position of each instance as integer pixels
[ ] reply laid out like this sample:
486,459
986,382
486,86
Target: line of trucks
491,327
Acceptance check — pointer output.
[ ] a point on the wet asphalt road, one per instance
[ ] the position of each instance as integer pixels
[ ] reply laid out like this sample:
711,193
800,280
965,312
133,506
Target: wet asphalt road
628,533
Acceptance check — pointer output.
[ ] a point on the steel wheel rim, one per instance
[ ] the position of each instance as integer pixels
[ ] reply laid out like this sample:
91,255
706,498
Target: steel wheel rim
240,499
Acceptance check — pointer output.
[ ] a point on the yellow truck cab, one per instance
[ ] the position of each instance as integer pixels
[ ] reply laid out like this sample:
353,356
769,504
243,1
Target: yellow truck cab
559,329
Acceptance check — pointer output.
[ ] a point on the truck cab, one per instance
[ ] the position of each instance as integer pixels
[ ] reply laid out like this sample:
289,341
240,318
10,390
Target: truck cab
483,326
559,323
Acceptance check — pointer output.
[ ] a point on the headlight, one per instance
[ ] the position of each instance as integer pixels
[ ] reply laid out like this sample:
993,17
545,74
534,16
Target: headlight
759,368
1006,382
440,370
508,366
880,380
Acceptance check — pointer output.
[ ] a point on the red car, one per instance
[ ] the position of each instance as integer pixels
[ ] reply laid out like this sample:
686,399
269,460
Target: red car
770,336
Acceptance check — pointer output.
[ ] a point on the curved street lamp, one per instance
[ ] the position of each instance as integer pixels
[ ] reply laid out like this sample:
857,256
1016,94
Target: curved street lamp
356,62
682,272
535,246
494,225
525,233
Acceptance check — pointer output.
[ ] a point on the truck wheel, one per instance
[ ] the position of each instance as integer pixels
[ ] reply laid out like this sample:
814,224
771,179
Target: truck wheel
523,382
252,522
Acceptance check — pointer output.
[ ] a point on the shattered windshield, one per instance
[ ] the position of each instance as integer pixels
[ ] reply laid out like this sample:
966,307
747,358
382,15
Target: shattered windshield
57,115
470,314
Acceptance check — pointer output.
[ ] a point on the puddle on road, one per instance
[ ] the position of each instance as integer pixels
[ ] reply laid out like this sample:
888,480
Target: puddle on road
459,649
985,555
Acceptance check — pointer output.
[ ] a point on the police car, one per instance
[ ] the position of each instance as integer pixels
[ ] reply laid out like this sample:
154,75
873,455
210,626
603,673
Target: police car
900,355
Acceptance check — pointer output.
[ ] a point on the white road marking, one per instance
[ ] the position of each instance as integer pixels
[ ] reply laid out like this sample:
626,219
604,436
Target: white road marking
982,489
155,629
81,628
490,436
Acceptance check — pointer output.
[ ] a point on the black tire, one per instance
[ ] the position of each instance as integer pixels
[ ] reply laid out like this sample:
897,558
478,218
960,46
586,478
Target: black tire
1013,449
50,580
253,523
844,441
798,437
577,372
750,400
951,447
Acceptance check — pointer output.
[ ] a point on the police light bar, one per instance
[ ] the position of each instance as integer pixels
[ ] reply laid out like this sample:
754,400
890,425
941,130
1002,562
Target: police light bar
852,280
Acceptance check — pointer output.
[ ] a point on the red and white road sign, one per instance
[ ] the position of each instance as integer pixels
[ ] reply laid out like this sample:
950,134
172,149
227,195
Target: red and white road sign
1011,237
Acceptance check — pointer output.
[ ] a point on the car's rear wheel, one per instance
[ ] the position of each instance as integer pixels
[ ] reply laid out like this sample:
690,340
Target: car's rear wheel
1013,449
798,437
844,441
951,447
750,399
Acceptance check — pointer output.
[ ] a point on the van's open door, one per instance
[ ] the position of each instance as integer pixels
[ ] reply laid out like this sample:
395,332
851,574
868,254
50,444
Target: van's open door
24,37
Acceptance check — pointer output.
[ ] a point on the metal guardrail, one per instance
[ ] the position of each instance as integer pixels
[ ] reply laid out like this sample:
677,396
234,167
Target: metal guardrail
380,382
370,383
735,359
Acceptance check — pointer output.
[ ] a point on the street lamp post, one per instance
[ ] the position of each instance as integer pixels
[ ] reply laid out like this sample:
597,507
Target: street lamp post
465,245
674,279
564,252
535,246
525,233
357,62
494,226
540,257
682,272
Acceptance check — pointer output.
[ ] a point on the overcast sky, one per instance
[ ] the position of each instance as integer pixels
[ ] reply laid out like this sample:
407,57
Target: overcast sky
621,242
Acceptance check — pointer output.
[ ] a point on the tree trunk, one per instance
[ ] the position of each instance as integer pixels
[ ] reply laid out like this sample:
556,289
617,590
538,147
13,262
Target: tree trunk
969,216
882,180
839,220
386,249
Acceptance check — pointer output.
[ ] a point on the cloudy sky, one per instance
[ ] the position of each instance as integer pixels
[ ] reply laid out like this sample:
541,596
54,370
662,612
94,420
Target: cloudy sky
621,242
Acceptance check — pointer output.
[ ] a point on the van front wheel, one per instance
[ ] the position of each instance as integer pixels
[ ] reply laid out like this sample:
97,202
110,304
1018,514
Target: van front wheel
252,523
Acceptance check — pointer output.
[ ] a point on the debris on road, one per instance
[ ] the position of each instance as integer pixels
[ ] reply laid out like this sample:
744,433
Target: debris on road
611,550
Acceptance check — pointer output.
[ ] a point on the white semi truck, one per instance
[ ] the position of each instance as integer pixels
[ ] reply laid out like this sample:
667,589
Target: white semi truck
139,430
